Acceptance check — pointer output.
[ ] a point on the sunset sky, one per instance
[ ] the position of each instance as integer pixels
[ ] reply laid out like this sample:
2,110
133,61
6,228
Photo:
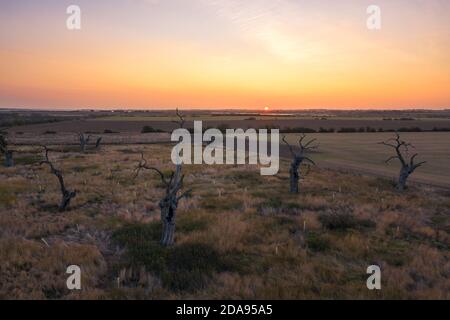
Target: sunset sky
225,54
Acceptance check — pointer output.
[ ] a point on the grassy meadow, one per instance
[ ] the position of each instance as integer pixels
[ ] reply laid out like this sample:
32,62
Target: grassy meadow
239,235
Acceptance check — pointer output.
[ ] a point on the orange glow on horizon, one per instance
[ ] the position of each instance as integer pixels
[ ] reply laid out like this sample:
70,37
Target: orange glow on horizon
240,63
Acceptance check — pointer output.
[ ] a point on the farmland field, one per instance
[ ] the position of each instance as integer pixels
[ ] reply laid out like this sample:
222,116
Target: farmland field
350,151
361,152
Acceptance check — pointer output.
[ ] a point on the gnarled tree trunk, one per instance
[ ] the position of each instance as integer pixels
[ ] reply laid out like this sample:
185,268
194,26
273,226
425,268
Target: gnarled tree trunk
168,214
169,202
297,160
407,165
403,177
169,205
294,175
66,198
66,195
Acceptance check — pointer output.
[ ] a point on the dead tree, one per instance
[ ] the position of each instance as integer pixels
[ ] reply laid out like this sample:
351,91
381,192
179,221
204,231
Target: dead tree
297,159
407,163
67,195
4,149
83,141
169,203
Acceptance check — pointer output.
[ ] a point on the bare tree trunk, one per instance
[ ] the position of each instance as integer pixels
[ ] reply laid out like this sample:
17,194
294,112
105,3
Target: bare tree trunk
294,176
169,205
83,141
9,160
83,146
168,215
403,177
65,201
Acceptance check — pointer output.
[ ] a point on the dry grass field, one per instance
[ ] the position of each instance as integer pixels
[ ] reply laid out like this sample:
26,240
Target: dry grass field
239,235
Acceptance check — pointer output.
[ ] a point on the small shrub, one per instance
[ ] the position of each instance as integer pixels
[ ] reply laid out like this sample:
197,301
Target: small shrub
317,242
410,129
436,129
347,130
108,131
344,221
325,130
149,129
297,130
341,221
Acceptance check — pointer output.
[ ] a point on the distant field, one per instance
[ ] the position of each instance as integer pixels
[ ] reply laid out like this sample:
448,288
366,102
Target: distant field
361,151
195,117
353,151
259,117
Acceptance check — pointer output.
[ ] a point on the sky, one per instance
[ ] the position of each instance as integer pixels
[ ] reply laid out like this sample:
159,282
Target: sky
282,54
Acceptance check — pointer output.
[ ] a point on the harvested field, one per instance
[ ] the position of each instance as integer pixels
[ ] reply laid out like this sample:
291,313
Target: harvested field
361,152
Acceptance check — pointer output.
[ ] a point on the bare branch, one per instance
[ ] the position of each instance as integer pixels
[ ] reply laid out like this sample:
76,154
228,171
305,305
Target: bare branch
98,142
185,194
308,143
181,120
391,158
290,147
309,160
143,165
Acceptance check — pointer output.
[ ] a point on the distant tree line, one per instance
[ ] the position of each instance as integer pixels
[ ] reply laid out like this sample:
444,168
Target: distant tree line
357,130
223,127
